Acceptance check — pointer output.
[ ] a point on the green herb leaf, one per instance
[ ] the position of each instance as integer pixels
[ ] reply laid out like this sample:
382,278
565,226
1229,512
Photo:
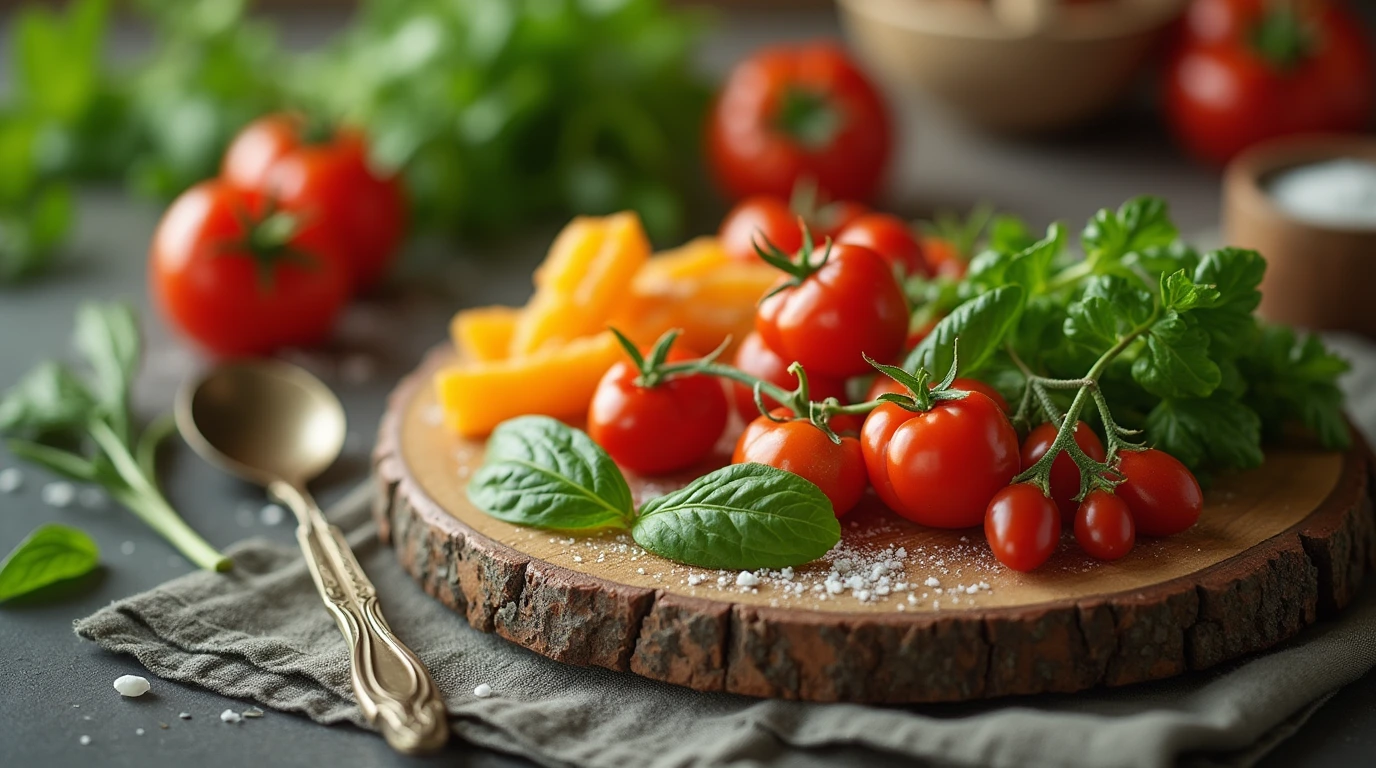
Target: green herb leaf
543,473
50,554
108,335
1180,293
49,399
981,324
1235,273
741,516
1139,224
1111,308
1217,430
1293,377
1177,362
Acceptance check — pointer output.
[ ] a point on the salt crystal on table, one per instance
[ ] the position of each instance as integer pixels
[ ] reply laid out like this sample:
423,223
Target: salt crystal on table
84,740
58,494
230,716
253,712
11,480
185,715
482,691
138,731
131,685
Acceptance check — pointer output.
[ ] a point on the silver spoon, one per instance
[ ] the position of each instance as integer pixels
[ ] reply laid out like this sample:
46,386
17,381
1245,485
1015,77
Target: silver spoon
276,425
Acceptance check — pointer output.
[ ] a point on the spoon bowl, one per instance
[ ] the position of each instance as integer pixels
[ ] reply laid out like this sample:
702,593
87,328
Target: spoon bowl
263,421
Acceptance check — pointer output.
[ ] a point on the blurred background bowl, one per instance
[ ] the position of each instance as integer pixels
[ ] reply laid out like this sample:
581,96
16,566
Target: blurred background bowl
1318,276
1014,66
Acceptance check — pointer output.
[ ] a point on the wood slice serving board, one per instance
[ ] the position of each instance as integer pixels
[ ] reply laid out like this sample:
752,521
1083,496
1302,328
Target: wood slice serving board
896,613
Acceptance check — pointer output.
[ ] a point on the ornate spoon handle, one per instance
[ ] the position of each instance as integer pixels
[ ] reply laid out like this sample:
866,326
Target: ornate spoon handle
392,686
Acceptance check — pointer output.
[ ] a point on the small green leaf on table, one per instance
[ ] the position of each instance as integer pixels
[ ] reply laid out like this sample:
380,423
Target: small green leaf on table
50,554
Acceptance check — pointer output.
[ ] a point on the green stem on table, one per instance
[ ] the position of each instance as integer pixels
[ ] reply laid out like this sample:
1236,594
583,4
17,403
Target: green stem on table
143,498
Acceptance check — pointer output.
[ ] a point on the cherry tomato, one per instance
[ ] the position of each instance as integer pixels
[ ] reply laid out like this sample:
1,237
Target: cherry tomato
883,384
1162,494
941,467
1226,89
329,180
799,447
1103,526
943,258
1022,526
757,359
1065,476
850,306
801,112
890,237
654,430
245,290
756,221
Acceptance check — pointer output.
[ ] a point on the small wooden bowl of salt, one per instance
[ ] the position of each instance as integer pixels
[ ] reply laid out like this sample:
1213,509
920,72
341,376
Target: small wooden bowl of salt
1308,204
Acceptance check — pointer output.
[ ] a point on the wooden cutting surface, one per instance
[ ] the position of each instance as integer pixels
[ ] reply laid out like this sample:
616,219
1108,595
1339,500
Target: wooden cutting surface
1274,547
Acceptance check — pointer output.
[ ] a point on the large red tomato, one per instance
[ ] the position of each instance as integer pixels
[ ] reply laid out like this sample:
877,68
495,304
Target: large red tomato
940,467
883,384
851,305
240,281
803,112
328,179
801,448
653,430
1246,71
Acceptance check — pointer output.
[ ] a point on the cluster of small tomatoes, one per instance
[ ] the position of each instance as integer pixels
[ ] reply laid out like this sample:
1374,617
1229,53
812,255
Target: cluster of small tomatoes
268,254
943,458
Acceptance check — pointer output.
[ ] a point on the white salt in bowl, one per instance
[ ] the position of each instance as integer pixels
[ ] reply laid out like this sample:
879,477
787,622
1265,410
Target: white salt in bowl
1300,201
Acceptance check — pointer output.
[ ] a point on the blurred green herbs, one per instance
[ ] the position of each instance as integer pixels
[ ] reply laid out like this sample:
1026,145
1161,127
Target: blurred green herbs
495,110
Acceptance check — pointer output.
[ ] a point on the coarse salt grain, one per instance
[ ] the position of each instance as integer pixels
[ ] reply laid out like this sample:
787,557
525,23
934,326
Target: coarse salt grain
746,579
230,716
11,480
138,731
131,685
84,740
253,712
58,494
932,581
184,715
482,691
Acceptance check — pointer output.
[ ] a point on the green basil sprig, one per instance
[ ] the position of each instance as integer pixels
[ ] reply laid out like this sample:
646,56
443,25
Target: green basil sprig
544,473
50,554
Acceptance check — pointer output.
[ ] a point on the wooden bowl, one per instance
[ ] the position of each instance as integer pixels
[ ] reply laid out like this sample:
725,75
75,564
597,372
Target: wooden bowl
1317,276
1015,66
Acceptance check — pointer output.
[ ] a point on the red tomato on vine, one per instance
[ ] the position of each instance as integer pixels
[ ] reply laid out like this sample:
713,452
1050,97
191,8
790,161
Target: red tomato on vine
797,446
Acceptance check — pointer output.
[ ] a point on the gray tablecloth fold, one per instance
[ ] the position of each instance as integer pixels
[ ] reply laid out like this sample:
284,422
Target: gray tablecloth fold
260,633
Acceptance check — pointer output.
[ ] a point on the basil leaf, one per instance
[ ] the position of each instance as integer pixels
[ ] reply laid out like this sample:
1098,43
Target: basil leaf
1218,430
50,554
543,473
743,516
981,324
1177,362
50,398
108,335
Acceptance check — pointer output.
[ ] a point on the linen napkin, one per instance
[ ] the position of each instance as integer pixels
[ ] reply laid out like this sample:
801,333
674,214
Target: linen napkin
261,633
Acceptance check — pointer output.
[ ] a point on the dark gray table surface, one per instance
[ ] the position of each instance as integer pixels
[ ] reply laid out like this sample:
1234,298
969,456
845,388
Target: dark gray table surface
58,687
